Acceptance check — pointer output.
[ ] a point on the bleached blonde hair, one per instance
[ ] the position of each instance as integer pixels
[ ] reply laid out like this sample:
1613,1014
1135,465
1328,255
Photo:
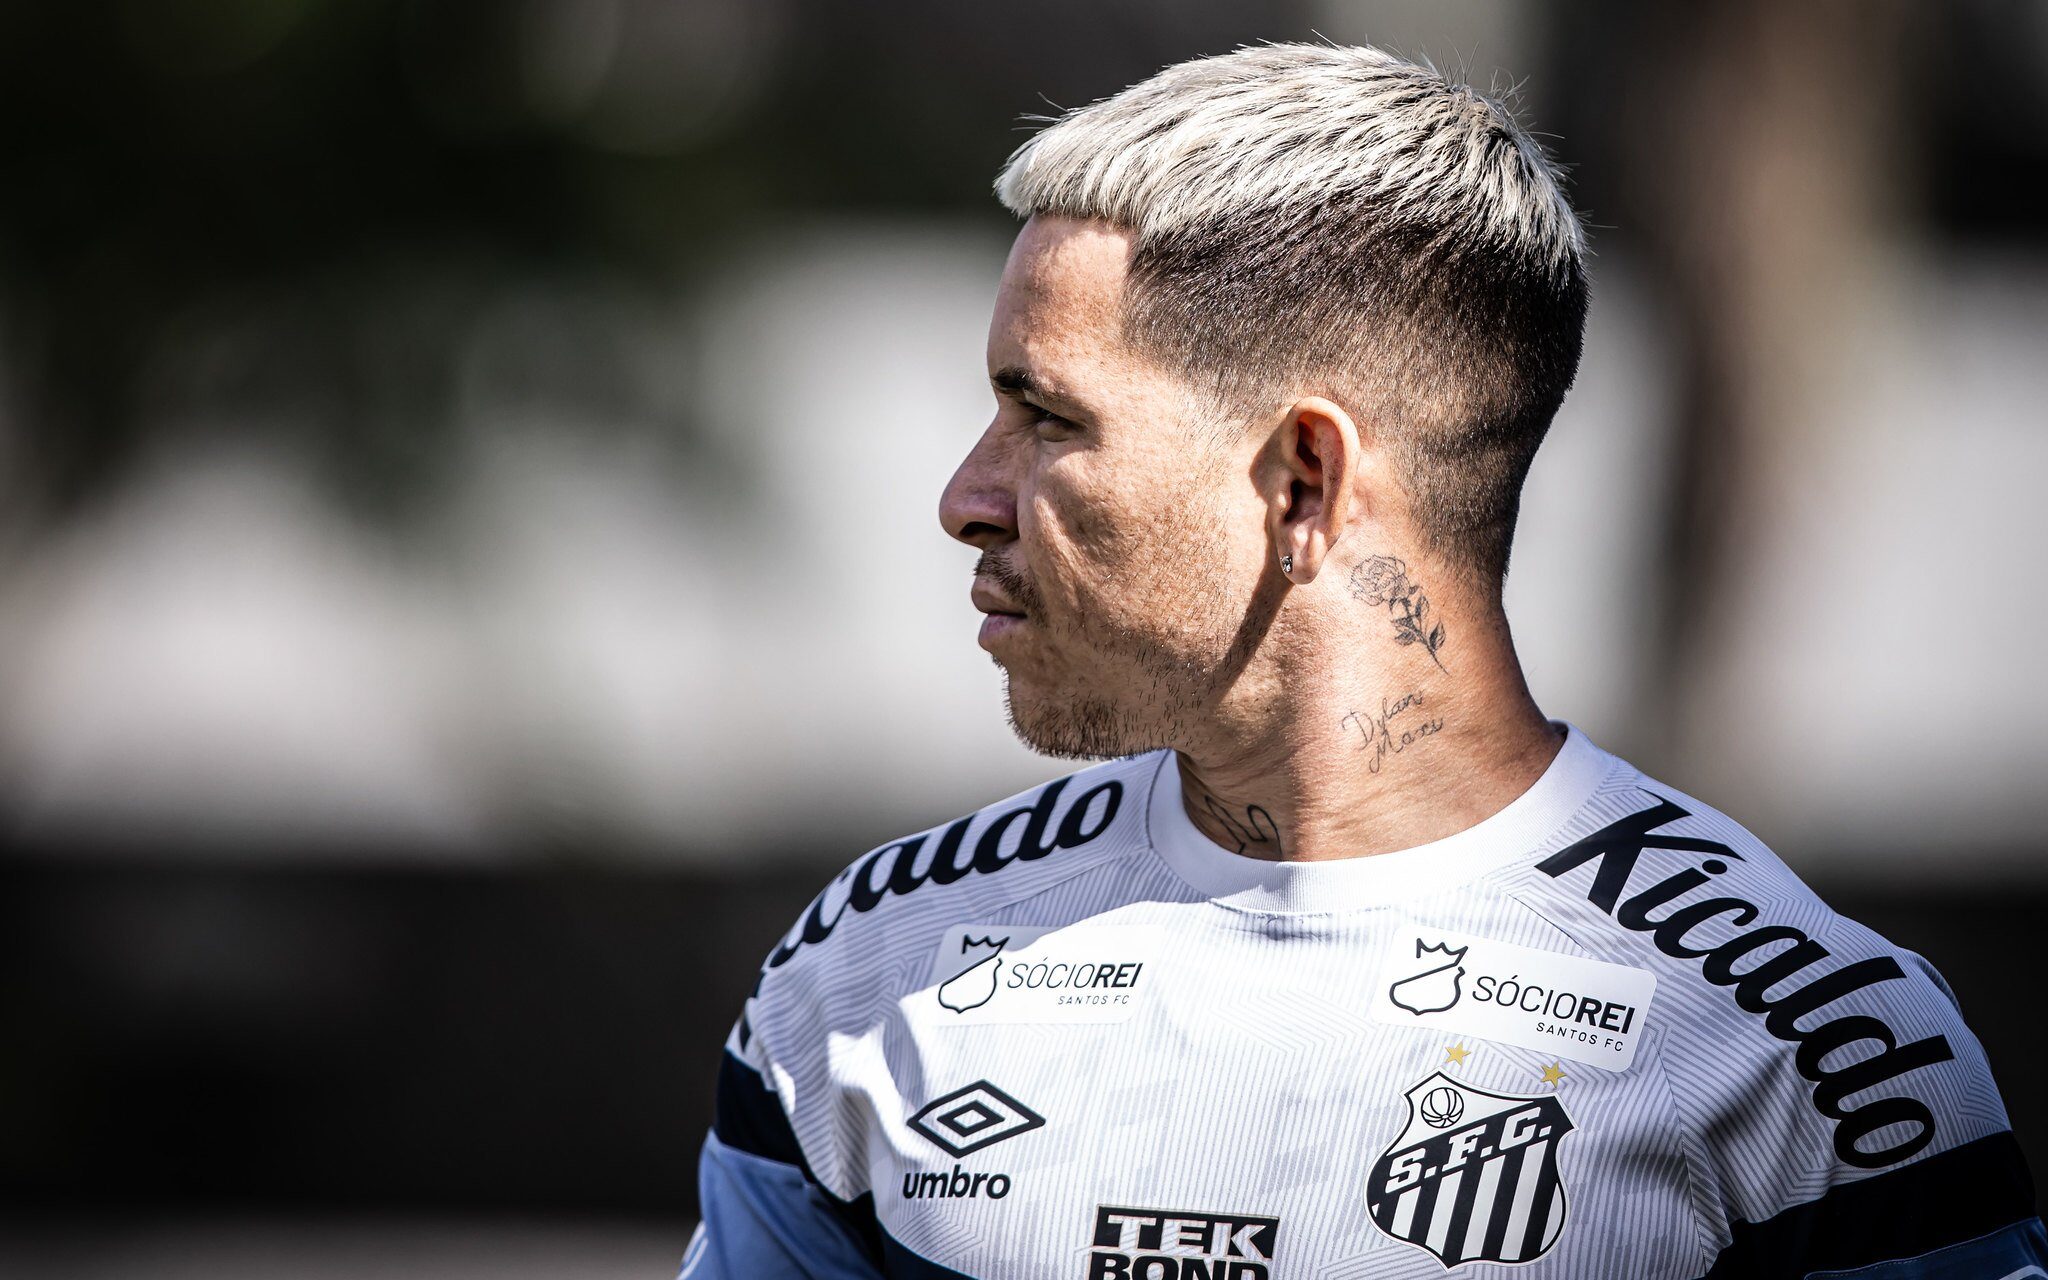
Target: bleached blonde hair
1315,218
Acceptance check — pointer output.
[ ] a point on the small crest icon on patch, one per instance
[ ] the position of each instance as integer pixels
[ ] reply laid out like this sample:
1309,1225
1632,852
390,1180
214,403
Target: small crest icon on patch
1436,987
976,982
1473,1177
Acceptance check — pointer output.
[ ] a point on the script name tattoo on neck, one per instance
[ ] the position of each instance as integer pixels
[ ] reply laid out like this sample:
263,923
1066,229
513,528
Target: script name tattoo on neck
1383,580
1381,737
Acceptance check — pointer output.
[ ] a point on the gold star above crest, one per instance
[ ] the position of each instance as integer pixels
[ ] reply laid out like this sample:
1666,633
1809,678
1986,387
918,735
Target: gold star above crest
1457,1053
1552,1074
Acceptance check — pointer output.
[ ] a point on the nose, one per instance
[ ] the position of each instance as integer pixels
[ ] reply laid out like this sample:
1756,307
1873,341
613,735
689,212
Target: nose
979,505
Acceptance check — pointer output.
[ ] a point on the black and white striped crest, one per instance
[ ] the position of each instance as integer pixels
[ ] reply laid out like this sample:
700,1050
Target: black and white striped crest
1474,1175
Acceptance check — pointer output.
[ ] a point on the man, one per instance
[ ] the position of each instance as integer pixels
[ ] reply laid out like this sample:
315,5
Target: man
1345,960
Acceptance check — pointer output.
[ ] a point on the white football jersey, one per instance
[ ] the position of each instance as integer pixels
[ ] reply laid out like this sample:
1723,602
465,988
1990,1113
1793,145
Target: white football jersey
1604,1033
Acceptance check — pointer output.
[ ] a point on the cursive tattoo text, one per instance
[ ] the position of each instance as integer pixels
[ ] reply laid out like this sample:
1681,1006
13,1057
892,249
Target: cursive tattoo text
1383,738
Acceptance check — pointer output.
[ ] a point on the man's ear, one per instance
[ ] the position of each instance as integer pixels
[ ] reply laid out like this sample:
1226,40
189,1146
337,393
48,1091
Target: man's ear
1313,473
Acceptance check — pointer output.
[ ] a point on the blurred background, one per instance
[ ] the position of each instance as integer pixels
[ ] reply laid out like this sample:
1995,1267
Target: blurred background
469,565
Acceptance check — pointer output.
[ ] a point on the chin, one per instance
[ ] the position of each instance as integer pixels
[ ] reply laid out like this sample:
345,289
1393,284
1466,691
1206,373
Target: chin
1072,726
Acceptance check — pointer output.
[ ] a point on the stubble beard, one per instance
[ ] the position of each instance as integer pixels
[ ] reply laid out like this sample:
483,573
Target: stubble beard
1161,687
1081,728
1166,667
1148,712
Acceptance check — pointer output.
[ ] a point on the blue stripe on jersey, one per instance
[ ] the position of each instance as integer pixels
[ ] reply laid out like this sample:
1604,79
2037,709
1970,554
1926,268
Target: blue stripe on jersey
750,1119
2020,1252
766,1213
1975,1190
763,1220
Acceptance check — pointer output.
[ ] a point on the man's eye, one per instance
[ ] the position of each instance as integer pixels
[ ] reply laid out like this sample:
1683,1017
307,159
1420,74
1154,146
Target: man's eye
1050,425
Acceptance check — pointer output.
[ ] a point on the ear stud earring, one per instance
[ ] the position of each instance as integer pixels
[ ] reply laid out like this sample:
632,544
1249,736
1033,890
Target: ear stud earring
1287,564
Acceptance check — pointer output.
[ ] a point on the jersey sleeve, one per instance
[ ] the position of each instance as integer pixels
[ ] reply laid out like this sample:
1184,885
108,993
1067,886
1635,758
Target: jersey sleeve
1959,1208
765,1216
1836,1115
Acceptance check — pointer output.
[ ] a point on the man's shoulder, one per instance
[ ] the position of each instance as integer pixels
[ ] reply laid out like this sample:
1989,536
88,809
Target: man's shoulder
1639,844
1764,988
1646,871
894,900
870,936
1646,874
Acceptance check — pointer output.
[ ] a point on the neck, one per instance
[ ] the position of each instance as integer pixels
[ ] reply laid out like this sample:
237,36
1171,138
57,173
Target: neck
1344,759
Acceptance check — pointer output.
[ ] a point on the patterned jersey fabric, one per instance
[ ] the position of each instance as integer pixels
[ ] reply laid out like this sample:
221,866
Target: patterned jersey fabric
1604,1033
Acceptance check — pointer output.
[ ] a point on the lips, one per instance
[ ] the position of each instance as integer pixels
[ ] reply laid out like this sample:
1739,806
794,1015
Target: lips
1003,614
990,601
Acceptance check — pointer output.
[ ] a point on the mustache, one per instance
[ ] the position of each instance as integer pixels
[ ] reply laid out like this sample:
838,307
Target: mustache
1014,585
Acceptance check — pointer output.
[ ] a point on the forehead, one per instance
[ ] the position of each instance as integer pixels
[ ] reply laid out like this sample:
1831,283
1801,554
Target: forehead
1058,304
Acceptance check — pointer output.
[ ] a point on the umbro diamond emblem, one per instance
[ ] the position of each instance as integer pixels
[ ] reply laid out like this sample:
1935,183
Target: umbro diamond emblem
980,1115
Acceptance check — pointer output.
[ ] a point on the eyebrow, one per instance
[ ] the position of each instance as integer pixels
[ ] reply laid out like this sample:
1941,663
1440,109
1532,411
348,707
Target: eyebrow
1016,381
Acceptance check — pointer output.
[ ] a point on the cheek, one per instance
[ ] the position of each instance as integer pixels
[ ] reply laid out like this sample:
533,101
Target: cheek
1086,546
1133,535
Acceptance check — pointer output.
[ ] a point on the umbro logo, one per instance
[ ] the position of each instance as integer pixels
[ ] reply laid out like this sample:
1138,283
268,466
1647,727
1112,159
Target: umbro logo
963,1122
980,1115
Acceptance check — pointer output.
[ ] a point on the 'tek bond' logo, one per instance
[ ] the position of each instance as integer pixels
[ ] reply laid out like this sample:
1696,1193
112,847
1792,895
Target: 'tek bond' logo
1614,851
1172,1244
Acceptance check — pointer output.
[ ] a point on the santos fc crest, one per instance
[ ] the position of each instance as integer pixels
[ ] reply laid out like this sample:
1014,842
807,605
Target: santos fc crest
1473,1177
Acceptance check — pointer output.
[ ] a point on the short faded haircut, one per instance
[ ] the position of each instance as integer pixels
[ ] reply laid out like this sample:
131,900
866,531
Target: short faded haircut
1322,219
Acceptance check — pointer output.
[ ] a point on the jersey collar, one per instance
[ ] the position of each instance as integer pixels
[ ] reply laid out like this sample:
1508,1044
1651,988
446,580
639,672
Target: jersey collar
1348,884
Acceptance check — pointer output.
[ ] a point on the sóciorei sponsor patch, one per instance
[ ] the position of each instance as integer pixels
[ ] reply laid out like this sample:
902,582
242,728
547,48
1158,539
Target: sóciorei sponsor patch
1588,1011
1079,973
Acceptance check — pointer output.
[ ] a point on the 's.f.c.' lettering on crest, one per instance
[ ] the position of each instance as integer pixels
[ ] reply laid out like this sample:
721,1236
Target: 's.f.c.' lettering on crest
1473,1176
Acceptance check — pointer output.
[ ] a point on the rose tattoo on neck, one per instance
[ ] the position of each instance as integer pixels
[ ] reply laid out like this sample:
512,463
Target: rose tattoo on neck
1383,580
